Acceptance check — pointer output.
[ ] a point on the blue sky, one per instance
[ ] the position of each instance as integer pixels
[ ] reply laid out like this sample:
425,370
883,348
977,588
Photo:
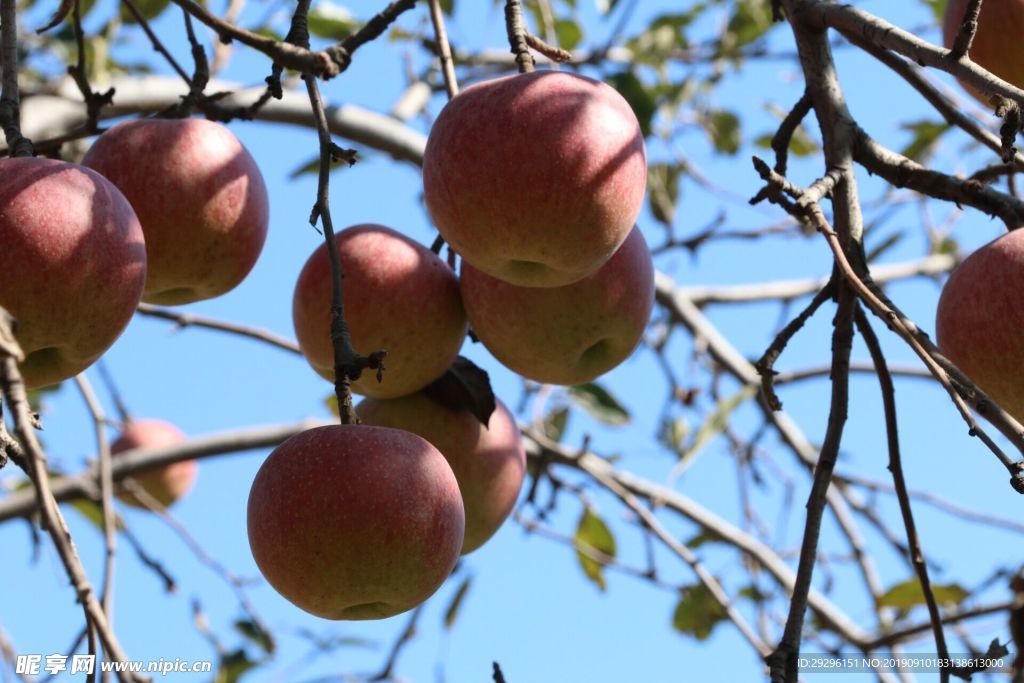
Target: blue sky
528,606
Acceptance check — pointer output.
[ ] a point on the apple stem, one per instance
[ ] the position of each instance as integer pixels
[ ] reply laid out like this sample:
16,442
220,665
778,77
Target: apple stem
10,100
348,365
968,27
200,76
444,49
517,36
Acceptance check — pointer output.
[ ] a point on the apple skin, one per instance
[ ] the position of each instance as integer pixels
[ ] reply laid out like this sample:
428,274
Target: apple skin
565,335
73,264
536,179
355,522
489,462
166,484
995,46
200,198
980,320
399,297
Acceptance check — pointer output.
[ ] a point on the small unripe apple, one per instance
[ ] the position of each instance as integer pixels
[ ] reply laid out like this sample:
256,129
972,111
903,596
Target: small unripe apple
72,264
536,179
166,484
996,46
355,522
489,462
199,196
570,334
980,320
399,297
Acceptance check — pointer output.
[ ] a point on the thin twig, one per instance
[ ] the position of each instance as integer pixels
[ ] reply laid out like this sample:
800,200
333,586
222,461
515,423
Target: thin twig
517,33
968,27
783,661
10,100
766,364
189,319
444,49
106,486
53,520
896,467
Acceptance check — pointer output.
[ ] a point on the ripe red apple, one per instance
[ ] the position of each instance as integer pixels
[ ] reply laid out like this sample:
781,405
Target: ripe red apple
996,46
72,264
355,522
199,196
570,334
980,320
166,484
399,297
536,179
489,462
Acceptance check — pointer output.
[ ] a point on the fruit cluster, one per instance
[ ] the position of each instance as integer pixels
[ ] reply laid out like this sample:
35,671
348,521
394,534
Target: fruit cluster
536,181
162,211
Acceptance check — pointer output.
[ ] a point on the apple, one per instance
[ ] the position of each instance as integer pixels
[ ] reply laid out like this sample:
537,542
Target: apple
199,196
354,521
995,46
536,179
570,334
72,264
399,297
980,320
489,462
166,484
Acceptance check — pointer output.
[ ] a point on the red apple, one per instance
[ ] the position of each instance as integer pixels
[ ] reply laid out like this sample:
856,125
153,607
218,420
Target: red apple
166,484
980,320
996,45
199,196
489,462
355,522
536,179
570,334
399,297
72,264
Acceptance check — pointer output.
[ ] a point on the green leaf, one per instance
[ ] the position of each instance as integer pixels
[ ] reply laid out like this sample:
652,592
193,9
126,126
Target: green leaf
938,8
310,167
555,422
909,594
93,512
714,425
697,613
753,593
464,386
448,6
663,190
149,9
331,401
599,403
594,533
255,633
36,396
639,98
569,34
926,137
750,20
452,613
723,127
233,666
947,245
335,22
702,538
